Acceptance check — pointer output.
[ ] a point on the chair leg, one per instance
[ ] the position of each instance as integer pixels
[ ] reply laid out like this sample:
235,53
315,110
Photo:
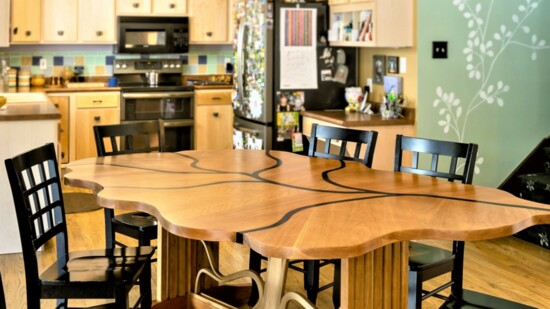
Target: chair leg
255,264
337,283
121,298
145,287
109,232
415,291
311,279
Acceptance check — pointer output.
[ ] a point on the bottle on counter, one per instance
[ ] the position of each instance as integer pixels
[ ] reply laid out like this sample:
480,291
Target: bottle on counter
24,78
12,77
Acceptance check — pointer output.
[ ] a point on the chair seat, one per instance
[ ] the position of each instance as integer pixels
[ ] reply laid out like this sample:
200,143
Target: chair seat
421,255
137,220
93,273
473,300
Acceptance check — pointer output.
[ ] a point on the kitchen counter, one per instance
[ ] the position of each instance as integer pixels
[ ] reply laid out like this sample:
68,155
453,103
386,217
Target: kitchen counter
27,106
356,119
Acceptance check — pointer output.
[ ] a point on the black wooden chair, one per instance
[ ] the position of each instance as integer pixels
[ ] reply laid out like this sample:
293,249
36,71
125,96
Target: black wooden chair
2,296
135,137
427,262
91,274
363,140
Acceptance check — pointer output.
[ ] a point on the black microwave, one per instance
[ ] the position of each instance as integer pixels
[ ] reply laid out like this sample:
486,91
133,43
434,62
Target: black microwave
152,35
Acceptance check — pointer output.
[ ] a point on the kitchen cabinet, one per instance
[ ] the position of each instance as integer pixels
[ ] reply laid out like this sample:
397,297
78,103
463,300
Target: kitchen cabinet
4,23
62,103
60,21
374,23
97,21
26,19
151,7
210,21
94,108
213,119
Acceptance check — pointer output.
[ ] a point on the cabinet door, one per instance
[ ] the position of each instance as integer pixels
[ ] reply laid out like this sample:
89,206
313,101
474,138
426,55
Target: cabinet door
97,21
25,21
214,127
209,21
169,7
86,119
60,21
62,104
133,7
4,23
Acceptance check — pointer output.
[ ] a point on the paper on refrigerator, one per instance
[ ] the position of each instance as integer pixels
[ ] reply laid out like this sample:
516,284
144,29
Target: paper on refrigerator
298,48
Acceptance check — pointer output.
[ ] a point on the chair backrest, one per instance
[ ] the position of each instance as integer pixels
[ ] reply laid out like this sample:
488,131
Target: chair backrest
2,296
455,151
36,189
133,137
330,134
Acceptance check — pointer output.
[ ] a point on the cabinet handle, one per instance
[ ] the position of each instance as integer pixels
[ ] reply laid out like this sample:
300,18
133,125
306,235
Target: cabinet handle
60,32
15,30
209,33
28,33
62,155
99,33
56,105
215,114
172,6
136,5
97,101
216,98
97,118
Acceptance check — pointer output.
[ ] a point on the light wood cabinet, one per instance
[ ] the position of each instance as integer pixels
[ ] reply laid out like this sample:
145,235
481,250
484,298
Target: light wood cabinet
213,119
63,105
92,109
26,21
154,7
60,21
210,21
4,23
375,23
97,21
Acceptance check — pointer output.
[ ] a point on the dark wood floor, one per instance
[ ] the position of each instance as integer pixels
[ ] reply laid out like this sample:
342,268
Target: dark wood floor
507,267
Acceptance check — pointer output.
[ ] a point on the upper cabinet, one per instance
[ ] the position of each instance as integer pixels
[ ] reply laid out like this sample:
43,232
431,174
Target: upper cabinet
210,21
25,21
61,20
97,21
371,23
154,7
4,23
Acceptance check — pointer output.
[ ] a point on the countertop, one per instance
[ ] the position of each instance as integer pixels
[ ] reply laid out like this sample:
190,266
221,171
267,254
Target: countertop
22,110
357,119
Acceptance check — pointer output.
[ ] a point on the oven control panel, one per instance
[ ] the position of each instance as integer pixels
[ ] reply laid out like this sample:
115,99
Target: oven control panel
132,66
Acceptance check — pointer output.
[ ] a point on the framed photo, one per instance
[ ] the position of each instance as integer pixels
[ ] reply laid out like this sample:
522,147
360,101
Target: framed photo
393,65
378,69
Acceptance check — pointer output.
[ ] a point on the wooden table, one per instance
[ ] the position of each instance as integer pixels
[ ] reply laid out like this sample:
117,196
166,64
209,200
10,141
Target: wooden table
287,206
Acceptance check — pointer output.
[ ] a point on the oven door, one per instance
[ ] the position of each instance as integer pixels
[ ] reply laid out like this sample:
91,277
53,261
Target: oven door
156,105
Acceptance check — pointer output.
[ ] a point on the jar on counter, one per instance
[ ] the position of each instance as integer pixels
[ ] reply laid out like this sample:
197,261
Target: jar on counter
24,78
12,78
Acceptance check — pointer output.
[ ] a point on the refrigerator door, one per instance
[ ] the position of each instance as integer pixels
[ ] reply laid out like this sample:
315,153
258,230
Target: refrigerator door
251,135
253,76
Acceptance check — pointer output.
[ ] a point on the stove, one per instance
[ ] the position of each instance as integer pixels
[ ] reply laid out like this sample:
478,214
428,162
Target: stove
152,89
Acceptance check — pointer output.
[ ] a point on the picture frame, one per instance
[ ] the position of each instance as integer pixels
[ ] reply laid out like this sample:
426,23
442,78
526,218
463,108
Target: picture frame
393,65
378,69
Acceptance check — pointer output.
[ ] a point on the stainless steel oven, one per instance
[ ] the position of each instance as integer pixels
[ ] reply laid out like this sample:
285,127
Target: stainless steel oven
161,97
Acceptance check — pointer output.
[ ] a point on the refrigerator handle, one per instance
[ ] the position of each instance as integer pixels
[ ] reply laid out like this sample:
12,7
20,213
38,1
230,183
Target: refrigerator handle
245,130
240,56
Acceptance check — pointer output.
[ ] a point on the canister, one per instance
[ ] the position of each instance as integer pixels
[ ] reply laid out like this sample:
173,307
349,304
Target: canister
24,78
12,78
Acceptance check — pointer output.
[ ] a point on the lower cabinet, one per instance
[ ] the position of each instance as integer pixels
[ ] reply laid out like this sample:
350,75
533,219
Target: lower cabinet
213,119
63,105
93,109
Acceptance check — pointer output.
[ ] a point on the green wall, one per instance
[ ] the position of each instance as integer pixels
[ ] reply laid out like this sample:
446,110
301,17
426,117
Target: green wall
496,92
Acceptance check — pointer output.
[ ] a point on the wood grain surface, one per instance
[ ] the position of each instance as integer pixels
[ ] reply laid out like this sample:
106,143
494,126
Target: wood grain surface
295,207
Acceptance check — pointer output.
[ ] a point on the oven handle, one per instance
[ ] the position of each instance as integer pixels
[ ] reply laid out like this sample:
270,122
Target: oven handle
246,130
163,95
178,123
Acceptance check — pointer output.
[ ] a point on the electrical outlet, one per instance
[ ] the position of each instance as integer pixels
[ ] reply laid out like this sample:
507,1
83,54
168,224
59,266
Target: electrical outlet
43,63
402,65
439,49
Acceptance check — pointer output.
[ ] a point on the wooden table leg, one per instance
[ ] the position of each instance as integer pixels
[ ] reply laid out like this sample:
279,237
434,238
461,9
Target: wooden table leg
275,284
377,279
178,261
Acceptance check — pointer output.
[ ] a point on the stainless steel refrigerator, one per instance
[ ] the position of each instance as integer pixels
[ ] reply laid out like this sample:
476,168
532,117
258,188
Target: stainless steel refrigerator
283,65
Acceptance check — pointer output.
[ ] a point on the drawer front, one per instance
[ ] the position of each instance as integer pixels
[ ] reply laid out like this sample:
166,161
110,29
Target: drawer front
97,100
213,97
